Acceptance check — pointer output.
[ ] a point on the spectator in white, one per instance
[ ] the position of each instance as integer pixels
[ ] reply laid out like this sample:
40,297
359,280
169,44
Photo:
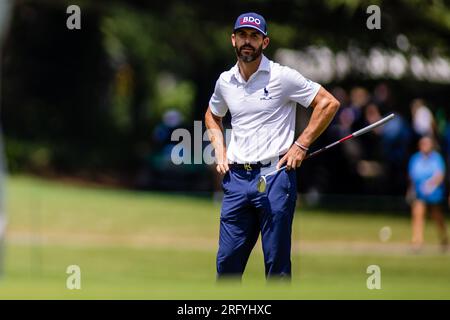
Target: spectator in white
422,119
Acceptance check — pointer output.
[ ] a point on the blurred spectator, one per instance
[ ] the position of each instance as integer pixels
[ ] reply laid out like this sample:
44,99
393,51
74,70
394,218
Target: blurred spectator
423,121
446,140
158,158
170,120
370,164
382,96
395,140
344,167
373,166
441,121
372,115
350,116
426,172
351,111
341,95
359,98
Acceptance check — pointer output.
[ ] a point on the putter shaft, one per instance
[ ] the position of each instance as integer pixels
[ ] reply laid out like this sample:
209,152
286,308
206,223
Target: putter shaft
352,135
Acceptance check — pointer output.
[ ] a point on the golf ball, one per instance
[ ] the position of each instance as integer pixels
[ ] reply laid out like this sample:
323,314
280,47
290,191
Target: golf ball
385,233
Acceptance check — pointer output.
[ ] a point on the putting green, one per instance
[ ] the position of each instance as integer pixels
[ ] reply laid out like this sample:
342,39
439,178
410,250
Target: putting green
134,245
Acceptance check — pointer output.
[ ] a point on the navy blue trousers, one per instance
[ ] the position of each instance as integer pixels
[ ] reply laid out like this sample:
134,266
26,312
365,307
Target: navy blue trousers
246,213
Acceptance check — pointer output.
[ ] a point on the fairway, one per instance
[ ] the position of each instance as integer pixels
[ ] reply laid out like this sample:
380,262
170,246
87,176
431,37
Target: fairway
141,245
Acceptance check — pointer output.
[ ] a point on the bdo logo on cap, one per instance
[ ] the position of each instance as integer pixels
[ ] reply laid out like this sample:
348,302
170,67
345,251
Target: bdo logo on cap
250,20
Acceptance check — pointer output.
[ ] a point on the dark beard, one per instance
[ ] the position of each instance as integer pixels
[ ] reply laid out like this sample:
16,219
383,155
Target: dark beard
250,57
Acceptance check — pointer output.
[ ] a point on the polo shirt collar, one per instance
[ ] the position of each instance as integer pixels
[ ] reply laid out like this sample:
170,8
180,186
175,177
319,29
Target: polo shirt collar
264,65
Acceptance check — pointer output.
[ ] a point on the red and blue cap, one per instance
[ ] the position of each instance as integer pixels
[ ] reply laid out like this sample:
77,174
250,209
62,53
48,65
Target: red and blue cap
251,20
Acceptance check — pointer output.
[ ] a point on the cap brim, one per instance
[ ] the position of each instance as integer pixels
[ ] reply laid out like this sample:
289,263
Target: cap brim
250,26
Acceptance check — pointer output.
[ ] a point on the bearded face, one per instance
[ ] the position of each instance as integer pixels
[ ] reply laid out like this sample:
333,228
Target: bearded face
249,44
247,53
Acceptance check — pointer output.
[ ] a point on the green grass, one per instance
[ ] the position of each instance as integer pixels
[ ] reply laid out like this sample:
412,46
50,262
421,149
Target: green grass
134,245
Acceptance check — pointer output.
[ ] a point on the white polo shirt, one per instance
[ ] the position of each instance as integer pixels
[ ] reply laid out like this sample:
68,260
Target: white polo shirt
262,109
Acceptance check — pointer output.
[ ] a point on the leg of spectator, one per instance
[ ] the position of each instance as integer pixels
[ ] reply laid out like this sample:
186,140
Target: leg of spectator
438,217
418,221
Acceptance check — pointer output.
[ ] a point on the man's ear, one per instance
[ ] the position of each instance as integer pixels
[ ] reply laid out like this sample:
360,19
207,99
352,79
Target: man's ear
233,39
266,41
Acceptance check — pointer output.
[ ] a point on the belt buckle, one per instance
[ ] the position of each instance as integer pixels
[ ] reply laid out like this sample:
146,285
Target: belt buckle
247,167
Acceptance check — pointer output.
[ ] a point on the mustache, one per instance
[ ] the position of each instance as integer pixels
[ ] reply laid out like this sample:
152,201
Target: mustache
246,46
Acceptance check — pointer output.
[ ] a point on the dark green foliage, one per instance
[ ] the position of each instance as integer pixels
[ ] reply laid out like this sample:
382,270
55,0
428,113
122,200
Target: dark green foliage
91,96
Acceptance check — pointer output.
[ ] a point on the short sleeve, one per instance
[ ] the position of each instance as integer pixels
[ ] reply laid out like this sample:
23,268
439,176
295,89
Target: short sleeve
440,163
217,103
299,88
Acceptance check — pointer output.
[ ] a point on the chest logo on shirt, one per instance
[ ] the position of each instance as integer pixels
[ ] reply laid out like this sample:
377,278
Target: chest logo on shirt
266,95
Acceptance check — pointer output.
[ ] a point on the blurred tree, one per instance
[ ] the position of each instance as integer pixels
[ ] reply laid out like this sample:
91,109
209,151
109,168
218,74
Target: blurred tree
57,81
5,10
89,99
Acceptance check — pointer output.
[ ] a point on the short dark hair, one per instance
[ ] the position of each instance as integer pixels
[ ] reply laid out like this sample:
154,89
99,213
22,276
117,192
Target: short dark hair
263,35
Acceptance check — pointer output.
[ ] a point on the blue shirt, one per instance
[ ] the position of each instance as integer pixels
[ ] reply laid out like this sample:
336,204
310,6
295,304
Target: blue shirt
421,169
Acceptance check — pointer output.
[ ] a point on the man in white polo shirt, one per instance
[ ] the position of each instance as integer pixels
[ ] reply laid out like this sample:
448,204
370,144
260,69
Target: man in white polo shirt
261,96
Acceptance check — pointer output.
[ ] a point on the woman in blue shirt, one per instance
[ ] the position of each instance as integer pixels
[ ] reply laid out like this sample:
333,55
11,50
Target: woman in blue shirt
427,173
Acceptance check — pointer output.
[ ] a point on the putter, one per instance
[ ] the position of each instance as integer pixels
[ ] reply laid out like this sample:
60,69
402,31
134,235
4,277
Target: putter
262,182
